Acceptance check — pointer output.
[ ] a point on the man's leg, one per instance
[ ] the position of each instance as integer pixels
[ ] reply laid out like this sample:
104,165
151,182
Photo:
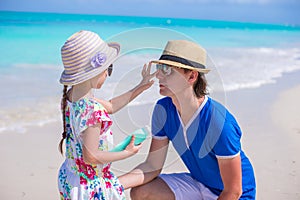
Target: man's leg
156,189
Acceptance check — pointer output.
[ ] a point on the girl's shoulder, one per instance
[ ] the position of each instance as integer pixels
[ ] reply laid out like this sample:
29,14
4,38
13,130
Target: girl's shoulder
89,107
89,103
88,112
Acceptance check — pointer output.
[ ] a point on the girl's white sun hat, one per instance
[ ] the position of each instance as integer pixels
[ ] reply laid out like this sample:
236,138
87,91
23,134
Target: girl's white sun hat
84,56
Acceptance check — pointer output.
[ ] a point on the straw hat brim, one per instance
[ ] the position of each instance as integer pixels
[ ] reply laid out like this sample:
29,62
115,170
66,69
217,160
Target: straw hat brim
67,79
180,65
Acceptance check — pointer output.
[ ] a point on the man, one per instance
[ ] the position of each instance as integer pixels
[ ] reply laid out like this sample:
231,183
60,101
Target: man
203,132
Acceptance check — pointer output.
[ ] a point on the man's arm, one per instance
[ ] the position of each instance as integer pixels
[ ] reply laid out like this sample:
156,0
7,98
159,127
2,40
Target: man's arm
231,173
151,168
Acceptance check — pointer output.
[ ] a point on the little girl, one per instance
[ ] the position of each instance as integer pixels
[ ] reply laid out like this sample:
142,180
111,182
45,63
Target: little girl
85,173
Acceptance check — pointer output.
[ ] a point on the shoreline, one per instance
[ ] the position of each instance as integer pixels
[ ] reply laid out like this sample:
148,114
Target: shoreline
32,158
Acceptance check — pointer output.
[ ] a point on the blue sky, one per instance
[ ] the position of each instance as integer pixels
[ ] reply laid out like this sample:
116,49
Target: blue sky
258,11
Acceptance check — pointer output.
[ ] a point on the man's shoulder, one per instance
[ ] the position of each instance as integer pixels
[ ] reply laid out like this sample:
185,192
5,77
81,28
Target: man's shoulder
220,112
218,107
164,101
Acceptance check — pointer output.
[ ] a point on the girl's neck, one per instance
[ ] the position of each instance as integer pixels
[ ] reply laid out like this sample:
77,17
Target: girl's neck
79,91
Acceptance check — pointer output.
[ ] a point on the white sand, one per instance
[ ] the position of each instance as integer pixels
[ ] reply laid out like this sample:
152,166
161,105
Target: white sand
29,163
270,121
268,116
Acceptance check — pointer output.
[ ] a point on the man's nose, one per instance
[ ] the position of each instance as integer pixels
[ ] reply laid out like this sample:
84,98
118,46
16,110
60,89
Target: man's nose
159,74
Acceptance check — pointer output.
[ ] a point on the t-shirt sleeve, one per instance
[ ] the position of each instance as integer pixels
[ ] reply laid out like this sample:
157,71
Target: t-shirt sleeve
92,115
159,118
228,145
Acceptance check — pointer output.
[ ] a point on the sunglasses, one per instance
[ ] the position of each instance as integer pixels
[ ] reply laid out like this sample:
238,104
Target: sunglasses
109,70
165,69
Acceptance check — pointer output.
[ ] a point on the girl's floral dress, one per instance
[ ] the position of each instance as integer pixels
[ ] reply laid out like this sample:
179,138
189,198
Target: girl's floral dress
77,179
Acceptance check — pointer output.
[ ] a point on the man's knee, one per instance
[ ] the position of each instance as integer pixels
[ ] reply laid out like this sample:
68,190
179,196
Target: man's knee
155,189
139,192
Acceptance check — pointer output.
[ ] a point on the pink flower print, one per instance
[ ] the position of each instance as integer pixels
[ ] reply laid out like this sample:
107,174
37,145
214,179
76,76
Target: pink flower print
87,170
94,118
68,113
83,181
105,125
106,172
97,115
92,194
106,169
108,184
120,190
90,122
90,172
107,175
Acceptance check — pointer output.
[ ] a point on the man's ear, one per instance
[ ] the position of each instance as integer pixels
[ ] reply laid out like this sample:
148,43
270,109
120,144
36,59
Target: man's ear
193,77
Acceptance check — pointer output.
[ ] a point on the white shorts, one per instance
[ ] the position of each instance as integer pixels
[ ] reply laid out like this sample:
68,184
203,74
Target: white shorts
185,187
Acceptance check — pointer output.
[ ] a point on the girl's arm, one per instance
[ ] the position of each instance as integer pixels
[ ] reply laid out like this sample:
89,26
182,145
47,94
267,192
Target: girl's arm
119,102
91,153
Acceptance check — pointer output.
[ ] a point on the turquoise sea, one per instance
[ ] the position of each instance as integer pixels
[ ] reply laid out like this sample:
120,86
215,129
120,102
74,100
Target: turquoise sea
241,56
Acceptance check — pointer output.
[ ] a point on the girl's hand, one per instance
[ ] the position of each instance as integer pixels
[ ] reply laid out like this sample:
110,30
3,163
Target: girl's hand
131,148
147,81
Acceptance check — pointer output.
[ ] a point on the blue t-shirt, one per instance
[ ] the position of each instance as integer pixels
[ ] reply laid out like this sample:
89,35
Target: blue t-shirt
211,133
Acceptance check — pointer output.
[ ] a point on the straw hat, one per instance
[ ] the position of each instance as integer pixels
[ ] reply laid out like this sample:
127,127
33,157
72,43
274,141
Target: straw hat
184,54
84,56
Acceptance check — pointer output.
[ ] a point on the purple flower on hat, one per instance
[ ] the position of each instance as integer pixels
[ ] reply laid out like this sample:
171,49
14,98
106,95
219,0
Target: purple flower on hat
98,59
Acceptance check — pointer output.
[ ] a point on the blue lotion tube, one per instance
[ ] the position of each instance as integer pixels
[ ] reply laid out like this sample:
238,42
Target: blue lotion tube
140,136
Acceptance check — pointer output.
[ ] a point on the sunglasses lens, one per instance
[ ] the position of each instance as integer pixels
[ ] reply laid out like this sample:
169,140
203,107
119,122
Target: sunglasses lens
158,66
166,69
109,70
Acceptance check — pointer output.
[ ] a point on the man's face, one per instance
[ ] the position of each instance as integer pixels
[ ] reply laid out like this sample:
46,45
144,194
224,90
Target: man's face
172,80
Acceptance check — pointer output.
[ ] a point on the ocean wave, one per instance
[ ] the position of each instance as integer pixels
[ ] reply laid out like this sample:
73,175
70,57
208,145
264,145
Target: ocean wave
241,68
18,117
32,97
